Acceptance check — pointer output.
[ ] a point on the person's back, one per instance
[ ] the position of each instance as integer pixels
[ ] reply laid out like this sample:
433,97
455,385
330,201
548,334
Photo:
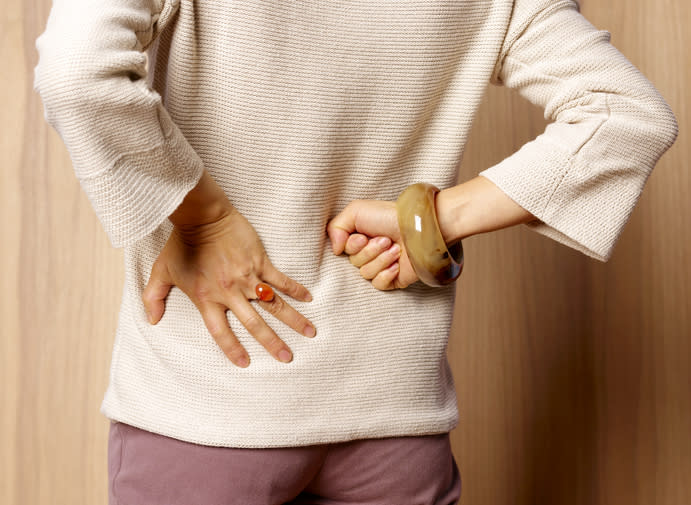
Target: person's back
297,111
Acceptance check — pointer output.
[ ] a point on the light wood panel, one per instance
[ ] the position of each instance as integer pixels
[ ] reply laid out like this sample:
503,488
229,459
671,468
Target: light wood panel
573,375
61,291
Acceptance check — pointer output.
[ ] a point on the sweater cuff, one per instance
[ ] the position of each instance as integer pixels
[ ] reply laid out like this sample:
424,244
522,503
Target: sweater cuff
551,183
140,190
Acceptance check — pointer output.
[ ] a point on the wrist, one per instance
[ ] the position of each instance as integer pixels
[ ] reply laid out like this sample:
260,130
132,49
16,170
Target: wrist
451,205
476,206
205,203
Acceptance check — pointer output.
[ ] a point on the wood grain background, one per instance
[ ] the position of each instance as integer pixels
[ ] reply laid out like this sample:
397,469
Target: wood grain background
573,376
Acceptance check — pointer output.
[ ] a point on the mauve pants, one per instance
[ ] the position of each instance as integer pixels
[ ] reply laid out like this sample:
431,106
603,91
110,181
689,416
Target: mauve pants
146,468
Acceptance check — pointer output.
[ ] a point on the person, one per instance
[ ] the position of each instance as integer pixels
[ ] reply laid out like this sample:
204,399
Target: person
274,344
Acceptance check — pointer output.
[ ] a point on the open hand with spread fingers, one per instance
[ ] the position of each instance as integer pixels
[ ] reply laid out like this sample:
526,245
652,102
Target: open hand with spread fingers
219,266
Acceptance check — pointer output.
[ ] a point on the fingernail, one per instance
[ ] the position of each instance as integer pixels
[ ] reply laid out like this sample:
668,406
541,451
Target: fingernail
308,298
384,241
309,331
242,362
285,356
395,249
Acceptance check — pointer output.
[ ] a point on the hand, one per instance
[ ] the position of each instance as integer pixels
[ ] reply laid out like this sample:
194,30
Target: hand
376,258
217,265
367,230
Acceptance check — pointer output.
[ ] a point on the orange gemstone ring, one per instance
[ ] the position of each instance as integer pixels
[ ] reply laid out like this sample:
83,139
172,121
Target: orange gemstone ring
264,292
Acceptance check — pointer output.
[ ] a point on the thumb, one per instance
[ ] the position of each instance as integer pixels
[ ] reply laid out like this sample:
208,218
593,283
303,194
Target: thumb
340,228
156,291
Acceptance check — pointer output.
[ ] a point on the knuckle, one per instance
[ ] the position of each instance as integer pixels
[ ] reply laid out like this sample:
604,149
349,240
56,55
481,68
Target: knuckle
147,295
365,273
215,328
157,269
201,292
298,322
379,285
226,282
260,265
353,246
286,285
245,271
276,306
274,343
253,323
371,248
385,280
231,347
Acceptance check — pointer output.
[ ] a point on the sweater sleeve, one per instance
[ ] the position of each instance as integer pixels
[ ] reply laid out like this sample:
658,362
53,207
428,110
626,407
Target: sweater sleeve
583,175
131,160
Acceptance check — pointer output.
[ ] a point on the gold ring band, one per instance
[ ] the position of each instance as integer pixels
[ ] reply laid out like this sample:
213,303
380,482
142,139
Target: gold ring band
434,263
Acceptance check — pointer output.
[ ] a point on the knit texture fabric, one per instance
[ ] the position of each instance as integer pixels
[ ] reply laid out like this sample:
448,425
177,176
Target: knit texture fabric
295,109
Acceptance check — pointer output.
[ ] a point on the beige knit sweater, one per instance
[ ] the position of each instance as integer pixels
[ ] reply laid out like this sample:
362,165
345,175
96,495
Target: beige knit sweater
309,105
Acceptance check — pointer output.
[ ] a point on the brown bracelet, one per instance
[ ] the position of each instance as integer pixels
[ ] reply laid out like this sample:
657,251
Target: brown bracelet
433,262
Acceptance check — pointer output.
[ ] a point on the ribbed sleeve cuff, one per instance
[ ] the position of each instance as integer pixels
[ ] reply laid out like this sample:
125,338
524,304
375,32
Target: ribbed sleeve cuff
141,189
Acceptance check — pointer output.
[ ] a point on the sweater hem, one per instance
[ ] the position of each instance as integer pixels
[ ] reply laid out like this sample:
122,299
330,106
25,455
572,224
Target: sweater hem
251,441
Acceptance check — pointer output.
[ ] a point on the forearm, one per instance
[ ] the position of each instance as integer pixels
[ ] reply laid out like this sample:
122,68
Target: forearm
476,206
205,203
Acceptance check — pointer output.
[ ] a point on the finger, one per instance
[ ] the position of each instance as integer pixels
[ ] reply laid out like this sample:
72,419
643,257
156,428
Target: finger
355,243
374,248
406,275
384,260
156,291
340,228
216,321
284,312
369,217
258,328
285,284
384,280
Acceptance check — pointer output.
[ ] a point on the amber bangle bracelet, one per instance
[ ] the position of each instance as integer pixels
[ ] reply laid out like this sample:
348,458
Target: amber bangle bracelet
434,263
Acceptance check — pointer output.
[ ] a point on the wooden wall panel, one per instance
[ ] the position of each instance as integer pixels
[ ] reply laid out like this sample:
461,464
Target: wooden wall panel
60,297
573,376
